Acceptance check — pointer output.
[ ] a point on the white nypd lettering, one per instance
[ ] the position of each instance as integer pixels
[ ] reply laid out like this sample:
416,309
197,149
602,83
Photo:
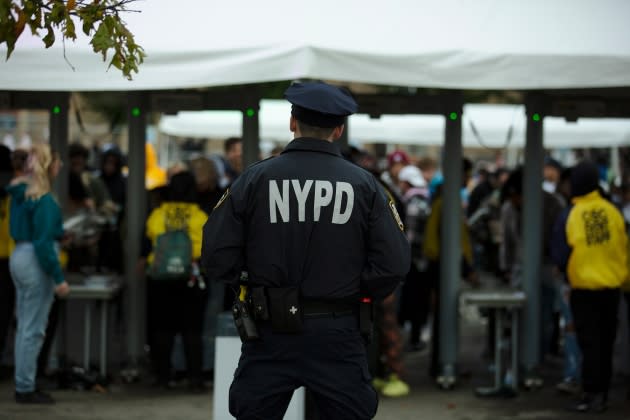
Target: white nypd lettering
323,193
323,197
279,201
301,194
343,188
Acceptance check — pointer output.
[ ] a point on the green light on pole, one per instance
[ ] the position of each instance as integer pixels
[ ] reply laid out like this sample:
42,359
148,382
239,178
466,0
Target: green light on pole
135,111
536,117
453,116
56,109
250,112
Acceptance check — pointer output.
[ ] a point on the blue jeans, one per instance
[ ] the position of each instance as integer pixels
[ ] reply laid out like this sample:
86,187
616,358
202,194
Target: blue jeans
34,296
572,353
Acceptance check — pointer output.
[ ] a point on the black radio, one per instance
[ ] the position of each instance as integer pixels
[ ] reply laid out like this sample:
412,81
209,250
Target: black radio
243,318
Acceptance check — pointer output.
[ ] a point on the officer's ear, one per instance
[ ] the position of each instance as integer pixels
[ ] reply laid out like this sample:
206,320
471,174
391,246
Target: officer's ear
337,132
293,124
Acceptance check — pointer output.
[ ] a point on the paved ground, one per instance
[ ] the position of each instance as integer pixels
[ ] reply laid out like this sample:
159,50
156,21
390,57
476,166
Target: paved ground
140,401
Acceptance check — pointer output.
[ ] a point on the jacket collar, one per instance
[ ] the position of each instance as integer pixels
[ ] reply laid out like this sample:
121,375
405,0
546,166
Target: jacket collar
312,145
593,195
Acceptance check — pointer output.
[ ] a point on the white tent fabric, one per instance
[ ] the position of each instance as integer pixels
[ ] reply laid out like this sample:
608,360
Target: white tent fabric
463,44
491,122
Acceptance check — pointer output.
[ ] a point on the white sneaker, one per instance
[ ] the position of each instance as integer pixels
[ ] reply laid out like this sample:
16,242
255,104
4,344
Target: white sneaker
569,386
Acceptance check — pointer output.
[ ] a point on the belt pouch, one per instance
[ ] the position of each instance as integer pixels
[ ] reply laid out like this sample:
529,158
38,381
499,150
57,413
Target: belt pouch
285,310
259,304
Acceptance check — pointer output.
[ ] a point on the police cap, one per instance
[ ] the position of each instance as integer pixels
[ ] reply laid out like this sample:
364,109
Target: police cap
319,104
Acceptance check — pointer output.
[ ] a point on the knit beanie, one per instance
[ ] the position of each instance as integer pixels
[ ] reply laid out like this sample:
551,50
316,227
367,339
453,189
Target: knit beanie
584,178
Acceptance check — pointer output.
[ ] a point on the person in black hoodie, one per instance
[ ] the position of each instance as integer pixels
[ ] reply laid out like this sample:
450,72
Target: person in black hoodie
112,163
110,243
7,289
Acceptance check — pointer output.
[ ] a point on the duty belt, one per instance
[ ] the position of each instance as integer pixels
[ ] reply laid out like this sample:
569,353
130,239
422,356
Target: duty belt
320,309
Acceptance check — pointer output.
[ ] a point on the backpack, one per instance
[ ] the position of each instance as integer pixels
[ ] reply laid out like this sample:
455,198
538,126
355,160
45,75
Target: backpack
172,254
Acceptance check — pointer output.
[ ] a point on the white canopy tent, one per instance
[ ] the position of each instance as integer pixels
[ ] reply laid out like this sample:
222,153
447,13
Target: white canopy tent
460,44
450,44
492,123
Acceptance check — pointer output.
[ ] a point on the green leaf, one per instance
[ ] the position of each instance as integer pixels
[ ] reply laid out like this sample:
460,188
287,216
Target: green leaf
116,61
88,24
99,19
10,49
9,39
70,32
100,40
49,39
58,12
35,25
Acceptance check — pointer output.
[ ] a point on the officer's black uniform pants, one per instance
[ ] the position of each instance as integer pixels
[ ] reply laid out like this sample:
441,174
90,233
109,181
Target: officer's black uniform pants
328,358
595,315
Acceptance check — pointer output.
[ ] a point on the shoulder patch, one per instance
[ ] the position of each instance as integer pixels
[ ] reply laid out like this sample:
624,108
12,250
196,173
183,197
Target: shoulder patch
224,197
392,208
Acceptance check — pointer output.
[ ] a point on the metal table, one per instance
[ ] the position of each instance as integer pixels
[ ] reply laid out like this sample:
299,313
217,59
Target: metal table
501,302
100,292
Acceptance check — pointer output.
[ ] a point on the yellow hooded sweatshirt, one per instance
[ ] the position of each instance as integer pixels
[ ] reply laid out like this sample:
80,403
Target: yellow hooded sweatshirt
154,175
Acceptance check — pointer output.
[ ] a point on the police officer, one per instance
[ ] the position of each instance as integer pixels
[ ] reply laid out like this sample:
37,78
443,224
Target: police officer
316,233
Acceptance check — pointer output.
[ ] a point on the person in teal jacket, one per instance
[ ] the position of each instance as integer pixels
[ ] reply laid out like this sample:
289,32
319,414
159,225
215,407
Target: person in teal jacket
36,226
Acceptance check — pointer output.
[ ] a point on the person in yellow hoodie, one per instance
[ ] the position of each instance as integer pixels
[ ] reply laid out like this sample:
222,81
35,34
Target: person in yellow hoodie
176,303
154,175
590,244
626,292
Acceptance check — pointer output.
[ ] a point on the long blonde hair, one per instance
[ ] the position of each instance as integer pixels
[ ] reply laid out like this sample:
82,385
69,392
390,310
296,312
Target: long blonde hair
40,159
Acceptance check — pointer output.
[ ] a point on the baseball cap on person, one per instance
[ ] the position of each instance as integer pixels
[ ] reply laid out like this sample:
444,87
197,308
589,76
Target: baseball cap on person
413,176
320,104
397,156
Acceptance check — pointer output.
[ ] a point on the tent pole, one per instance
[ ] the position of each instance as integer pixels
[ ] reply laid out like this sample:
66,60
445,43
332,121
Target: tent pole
136,215
58,109
251,134
532,234
451,251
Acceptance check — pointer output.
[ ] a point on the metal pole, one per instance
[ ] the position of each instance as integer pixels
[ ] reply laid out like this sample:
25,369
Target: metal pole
498,348
87,336
136,214
615,162
532,233
251,135
451,250
514,367
103,355
58,110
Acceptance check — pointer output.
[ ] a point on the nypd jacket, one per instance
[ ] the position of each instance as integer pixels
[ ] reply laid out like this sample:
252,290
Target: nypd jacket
311,219
590,243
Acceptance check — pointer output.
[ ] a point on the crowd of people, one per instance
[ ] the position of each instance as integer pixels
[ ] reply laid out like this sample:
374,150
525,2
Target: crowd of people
577,311
584,269
33,236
